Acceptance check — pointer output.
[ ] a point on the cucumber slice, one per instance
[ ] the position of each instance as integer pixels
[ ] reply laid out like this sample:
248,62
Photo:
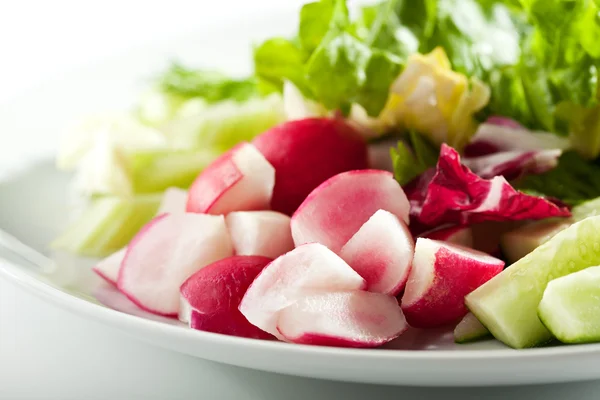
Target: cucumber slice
519,242
225,124
156,171
469,329
107,225
569,307
507,304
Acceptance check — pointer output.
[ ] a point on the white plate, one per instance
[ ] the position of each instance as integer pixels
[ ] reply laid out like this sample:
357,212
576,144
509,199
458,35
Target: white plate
33,208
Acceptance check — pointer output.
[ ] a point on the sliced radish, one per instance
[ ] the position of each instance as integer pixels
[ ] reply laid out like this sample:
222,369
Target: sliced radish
381,252
343,319
304,270
165,253
210,298
461,235
336,209
240,180
307,152
442,275
109,268
260,233
173,201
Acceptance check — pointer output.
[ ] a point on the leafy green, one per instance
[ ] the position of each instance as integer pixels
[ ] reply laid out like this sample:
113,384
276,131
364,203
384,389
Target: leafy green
574,180
277,60
330,61
413,157
209,85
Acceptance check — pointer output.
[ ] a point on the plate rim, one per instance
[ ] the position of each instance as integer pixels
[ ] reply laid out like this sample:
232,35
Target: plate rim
107,316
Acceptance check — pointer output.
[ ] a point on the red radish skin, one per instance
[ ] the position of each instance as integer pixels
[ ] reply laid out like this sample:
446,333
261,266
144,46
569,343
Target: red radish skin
108,268
213,294
336,210
165,252
307,152
173,201
260,233
442,275
305,270
239,180
461,235
381,252
342,319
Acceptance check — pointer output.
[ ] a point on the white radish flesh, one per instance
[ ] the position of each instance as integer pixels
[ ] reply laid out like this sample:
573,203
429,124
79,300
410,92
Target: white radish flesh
165,253
260,233
381,252
442,275
173,201
240,180
306,269
109,267
336,210
343,319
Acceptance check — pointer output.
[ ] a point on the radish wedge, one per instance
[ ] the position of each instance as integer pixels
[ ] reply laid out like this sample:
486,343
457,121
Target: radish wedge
569,307
469,329
109,268
239,180
173,201
210,298
381,252
460,235
337,209
307,152
342,319
304,270
165,253
260,233
507,304
441,276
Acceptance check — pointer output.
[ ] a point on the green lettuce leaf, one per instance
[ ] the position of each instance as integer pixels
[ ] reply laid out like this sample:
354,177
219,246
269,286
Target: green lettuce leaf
413,157
209,85
330,61
574,180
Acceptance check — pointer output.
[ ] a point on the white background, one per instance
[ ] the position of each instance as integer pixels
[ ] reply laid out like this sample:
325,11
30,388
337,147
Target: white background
46,353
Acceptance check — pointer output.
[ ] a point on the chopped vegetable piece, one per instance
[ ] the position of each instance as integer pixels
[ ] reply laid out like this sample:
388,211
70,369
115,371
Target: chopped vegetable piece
469,329
569,307
239,180
213,294
346,319
507,304
306,153
442,275
155,266
455,195
156,171
337,209
297,274
107,225
223,125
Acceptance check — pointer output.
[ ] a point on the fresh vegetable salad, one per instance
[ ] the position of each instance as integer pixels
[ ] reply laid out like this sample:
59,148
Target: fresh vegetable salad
407,164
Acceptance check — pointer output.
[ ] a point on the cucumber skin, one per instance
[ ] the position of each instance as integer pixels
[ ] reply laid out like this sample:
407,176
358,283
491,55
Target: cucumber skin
507,304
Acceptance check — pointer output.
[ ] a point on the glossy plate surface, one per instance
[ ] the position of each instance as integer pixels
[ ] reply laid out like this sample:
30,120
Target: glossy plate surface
34,207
